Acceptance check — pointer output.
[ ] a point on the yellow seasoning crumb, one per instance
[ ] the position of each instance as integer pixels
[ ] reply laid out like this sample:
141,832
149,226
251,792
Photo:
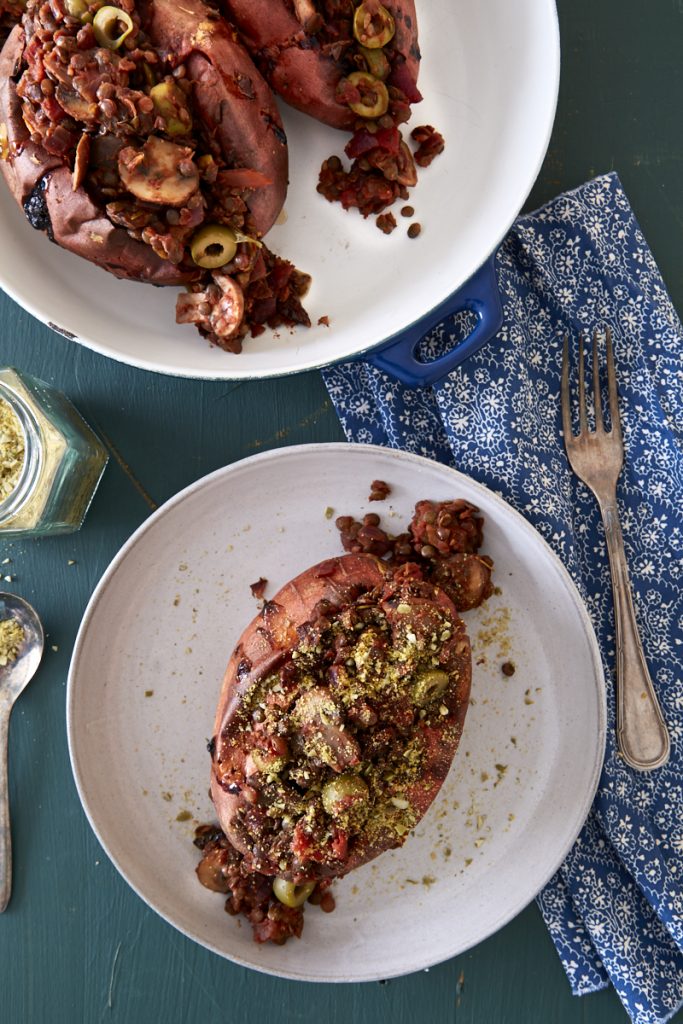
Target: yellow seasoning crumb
484,776
329,512
468,861
167,797
55,648
149,693
12,637
176,600
480,841
183,816
12,451
72,561
428,880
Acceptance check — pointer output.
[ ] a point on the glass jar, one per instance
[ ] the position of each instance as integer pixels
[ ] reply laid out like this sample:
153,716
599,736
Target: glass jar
63,460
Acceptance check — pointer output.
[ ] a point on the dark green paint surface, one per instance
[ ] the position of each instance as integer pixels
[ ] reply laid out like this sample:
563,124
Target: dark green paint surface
76,944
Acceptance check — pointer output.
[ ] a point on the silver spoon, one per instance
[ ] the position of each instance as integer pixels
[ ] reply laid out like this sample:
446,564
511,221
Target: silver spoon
14,676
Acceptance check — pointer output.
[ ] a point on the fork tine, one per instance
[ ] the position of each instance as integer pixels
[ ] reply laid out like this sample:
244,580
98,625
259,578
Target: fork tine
564,392
583,421
597,398
612,387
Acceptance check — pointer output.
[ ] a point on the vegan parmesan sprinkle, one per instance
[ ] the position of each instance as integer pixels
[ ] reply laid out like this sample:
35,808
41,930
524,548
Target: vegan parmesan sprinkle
12,637
12,451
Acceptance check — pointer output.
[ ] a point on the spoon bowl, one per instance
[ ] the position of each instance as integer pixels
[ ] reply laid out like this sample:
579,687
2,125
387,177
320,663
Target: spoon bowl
14,676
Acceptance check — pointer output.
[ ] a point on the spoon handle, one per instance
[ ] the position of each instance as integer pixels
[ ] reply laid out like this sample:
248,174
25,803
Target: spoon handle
5,834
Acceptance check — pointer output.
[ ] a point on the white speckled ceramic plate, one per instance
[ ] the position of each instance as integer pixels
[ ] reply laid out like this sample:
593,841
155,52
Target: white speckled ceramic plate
145,677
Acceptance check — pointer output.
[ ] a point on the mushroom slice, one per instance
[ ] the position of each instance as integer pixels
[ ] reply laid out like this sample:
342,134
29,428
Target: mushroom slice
81,161
218,309
76,106
159,172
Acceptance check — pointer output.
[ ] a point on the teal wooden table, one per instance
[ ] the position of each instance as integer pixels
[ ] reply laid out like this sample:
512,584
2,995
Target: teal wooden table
76,944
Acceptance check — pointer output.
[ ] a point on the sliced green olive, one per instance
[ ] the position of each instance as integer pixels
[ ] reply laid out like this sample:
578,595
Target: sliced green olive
76,8
169,103
290,894
112,26
431,684
343,794
377,62
374,98
268,763
373,28
213,245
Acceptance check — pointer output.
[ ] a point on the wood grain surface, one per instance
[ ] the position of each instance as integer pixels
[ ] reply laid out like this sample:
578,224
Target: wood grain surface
76,944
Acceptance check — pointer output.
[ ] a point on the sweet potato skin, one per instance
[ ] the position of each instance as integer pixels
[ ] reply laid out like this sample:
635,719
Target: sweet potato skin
263,648
75,222
232,98
297,69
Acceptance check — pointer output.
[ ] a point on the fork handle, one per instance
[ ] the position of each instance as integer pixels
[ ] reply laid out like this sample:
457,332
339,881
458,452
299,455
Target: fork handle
642,735
5,833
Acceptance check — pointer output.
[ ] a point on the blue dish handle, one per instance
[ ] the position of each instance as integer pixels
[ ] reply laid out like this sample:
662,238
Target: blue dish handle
480,295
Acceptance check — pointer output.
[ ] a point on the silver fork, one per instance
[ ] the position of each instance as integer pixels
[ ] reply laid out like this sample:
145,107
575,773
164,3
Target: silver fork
597,458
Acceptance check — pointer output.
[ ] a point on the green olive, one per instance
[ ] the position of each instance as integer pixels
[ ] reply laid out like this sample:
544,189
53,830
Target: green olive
373,28
169,101
374,98
290,894
76,8
213,245
343,794
431,684
269,764
377,62
112,26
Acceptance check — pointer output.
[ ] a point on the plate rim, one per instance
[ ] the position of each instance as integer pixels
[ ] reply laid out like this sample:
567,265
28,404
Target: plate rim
231,369
329,448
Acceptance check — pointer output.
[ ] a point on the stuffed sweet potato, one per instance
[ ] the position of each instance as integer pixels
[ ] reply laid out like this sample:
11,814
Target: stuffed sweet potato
142,138
340,713
334,59
352,64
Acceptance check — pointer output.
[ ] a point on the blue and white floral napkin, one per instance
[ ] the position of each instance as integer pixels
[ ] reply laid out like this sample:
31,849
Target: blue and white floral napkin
615,908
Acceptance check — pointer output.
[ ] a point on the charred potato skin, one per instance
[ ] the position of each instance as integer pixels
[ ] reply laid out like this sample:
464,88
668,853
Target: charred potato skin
295,66
337,580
